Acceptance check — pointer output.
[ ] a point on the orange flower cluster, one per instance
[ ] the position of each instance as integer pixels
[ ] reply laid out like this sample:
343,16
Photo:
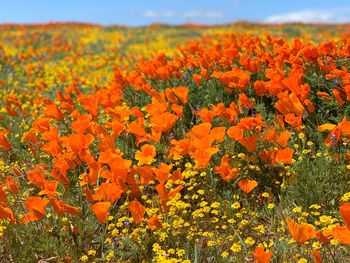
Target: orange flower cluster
201,106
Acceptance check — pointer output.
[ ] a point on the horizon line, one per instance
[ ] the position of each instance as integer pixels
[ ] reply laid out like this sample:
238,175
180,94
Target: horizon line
87,23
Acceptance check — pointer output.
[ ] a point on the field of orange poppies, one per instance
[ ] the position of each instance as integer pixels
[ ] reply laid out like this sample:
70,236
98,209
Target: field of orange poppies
175,143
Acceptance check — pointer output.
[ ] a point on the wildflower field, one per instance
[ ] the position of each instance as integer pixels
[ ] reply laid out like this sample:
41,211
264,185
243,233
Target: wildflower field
174,143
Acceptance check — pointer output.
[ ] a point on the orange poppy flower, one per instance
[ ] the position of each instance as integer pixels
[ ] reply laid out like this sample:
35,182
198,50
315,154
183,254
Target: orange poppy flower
250,142
51,135
177,93
235,133
283,105
317,256
345,213
164,196
146,155
324,95
260,88
199,131
6,213
218,134
335,131
282,138
338,97
17,171
301,232
49,188
341,234
108,150
4,144
236,78
261,256
203,152
268,156
180,148
29,137
297,106
116,126
36,207
231,113
108,192
78,142
178,110
164,122
176,175
11,185
173,192
243,100
52,148
293,120
205,115
249,123
293,83
154,222
37,177
10,110
270,134
197,79
101,211
60,168
137,128
159,106
41,125
53,111
82,123
226,172
162,173
247,185
284,156
137,211
120,168
145,174
324,236
61,207
90,103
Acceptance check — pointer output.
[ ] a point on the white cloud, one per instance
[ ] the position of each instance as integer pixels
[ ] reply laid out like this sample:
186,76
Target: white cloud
150,13
187,14
204,14
311,16
169,13
155,14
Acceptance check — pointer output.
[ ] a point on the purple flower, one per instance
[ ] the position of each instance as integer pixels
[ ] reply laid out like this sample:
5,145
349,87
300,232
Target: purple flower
185,76
336,83
333,139
116,240
268,234
126,223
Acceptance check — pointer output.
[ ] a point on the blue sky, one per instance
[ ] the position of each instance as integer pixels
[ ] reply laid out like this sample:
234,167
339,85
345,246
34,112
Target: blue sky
143,12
